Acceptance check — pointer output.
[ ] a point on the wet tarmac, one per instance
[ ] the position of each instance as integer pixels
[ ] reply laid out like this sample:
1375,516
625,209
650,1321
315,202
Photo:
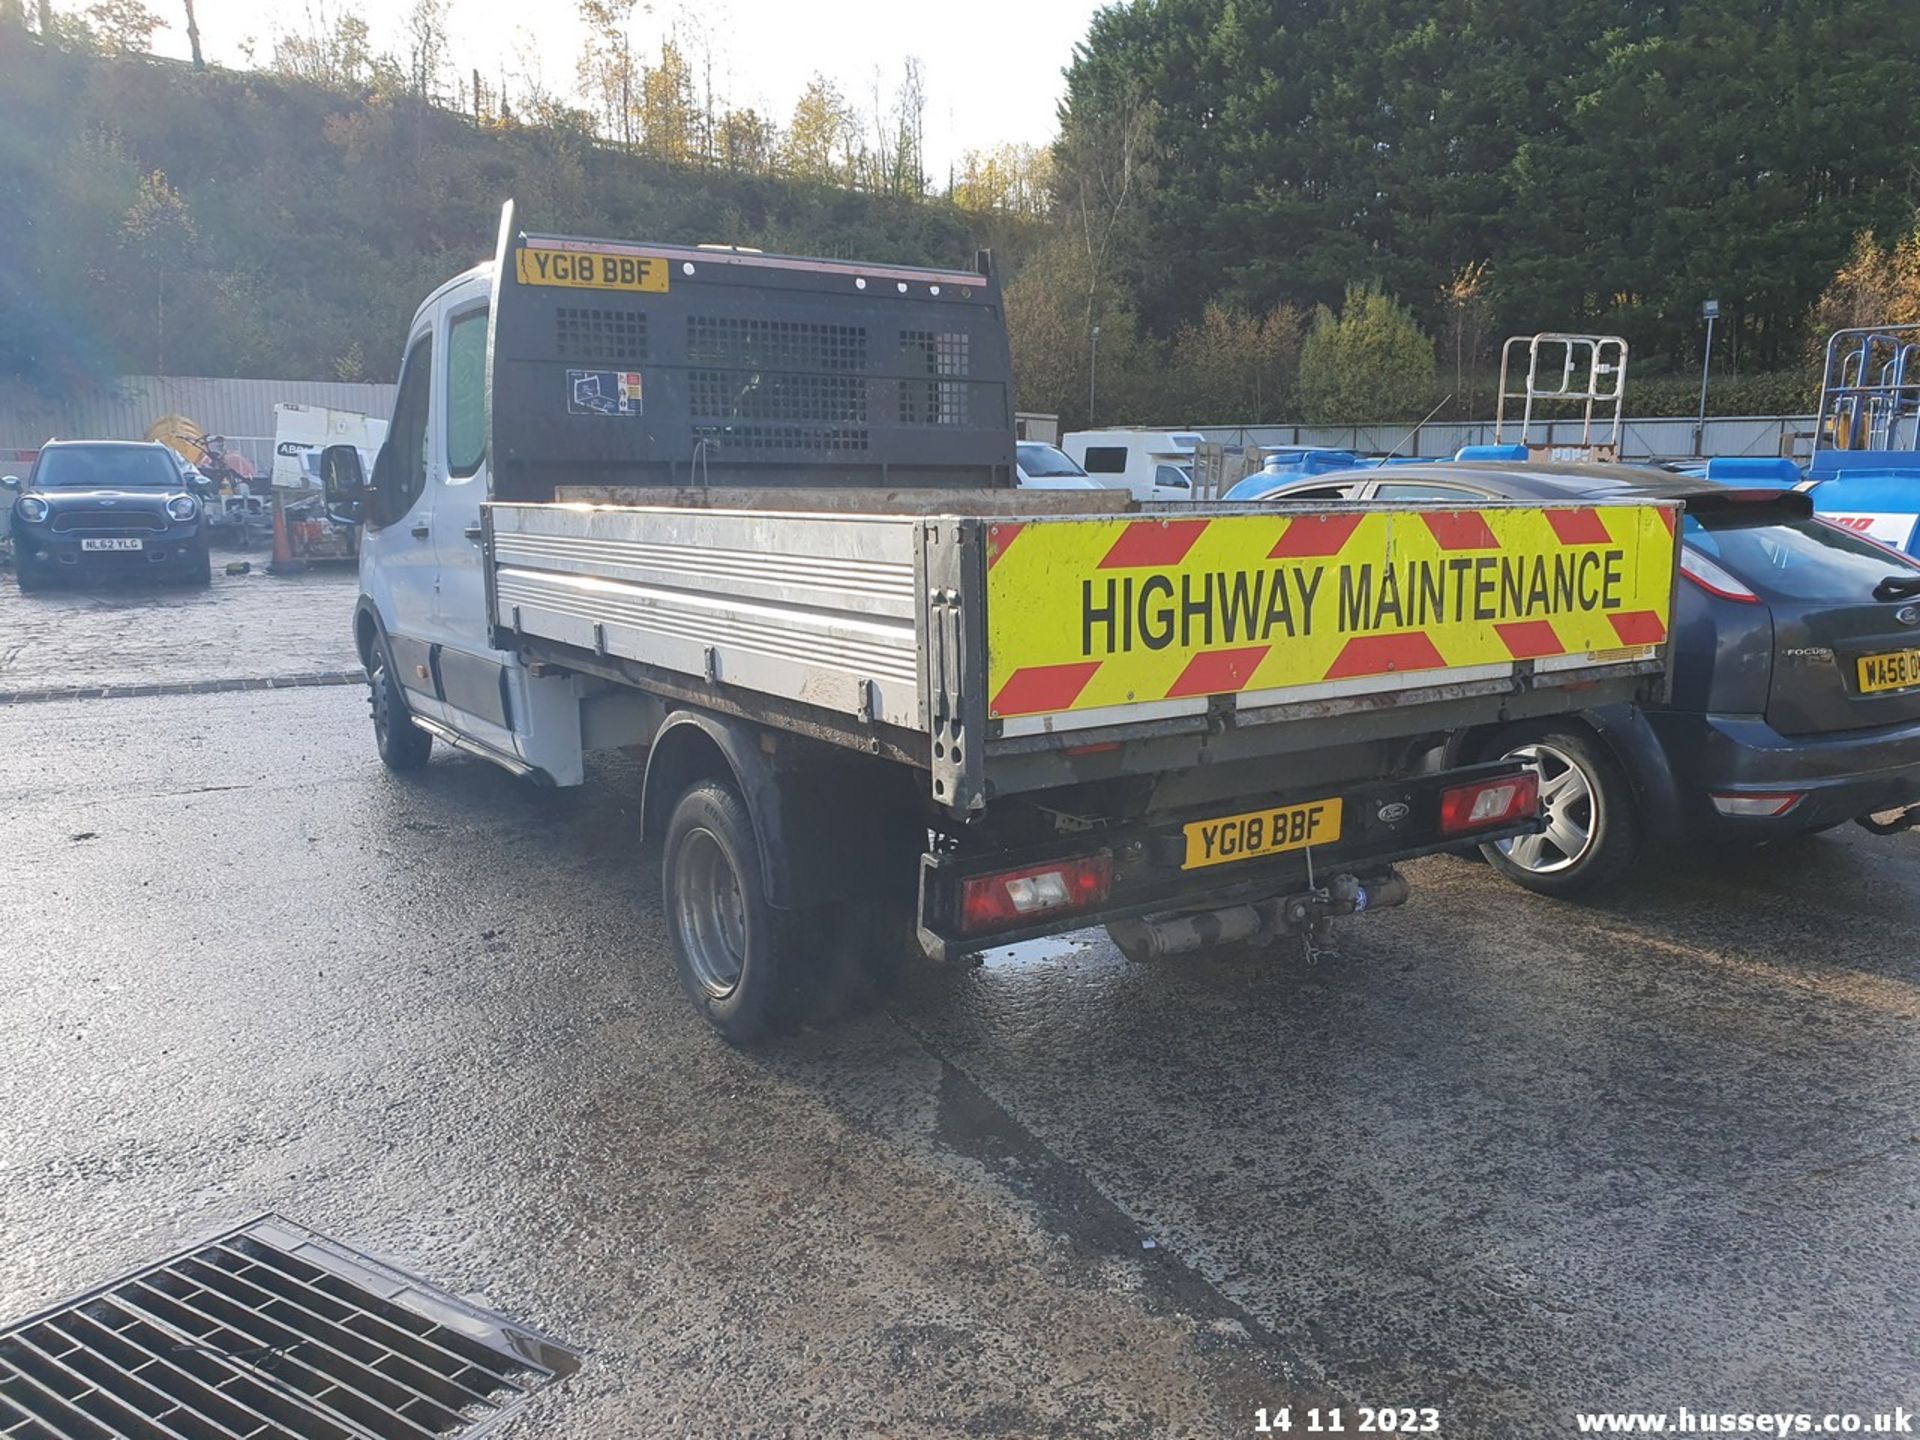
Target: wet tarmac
1500,1156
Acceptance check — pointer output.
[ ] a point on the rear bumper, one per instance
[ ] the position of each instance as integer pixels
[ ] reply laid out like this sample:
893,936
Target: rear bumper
1382,824
1839,776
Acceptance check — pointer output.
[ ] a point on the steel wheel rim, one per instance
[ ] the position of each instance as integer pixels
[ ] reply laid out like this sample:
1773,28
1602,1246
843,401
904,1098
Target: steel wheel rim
711,914
1570,805
378,700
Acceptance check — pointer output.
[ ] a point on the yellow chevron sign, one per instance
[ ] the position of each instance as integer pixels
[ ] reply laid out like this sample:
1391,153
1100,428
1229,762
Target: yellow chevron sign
1087,614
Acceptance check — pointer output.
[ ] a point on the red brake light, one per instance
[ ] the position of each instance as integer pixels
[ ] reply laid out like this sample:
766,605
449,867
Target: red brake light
1485,804
1712,578
990,902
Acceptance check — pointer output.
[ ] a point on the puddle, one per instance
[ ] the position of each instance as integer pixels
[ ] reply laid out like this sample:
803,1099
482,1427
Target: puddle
1048,950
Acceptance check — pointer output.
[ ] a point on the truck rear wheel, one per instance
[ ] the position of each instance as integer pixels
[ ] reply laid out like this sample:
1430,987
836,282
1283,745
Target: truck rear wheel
729,945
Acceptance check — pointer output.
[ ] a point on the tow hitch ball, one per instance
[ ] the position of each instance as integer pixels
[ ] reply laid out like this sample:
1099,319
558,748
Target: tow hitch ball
1890,822
1309,915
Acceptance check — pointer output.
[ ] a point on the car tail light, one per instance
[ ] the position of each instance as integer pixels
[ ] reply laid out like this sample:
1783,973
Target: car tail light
1712,579
1766,806
1006,897
1488,803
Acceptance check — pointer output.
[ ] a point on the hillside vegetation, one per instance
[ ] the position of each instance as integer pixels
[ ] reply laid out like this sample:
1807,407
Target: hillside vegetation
222,223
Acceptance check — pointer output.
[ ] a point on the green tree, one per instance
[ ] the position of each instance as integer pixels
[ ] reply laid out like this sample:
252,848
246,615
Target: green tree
1616,163
669,113
819,135
609,71
1234,367
1372,361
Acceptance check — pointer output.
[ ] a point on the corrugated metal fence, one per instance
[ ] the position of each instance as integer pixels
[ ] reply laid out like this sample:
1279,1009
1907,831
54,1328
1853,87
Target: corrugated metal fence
241,410
1660,438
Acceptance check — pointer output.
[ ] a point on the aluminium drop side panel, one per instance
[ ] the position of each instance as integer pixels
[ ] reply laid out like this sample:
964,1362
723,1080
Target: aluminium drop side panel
818,609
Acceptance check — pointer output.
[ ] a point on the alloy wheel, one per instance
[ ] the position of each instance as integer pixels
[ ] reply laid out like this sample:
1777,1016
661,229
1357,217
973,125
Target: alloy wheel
1568,803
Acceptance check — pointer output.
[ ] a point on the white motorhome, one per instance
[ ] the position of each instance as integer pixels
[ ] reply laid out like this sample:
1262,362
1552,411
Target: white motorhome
1148,464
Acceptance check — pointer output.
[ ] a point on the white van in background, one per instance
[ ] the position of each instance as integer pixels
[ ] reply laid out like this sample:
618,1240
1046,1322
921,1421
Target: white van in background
1044,467
1151,464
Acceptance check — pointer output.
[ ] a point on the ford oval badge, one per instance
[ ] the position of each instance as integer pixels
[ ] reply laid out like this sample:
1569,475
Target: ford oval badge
1393,812
1908,614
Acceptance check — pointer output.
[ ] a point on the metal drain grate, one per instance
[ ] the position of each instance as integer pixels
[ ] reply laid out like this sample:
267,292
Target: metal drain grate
267,1331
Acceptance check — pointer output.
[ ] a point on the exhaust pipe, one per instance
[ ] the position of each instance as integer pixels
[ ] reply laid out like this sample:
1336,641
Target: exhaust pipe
1259,921
1889,822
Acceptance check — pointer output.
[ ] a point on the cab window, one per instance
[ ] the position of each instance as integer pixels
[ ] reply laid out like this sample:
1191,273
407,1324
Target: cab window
466,393
1173,477
400,474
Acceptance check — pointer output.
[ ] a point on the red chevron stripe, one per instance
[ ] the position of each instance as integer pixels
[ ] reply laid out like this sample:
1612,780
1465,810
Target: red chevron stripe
1578,527
1379,654
1038,689
1147,542
1638,627
1530,639
1219,672
1314,535
999,537
1461,530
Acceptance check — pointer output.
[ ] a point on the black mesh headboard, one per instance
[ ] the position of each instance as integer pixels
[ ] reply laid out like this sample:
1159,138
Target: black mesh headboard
626,364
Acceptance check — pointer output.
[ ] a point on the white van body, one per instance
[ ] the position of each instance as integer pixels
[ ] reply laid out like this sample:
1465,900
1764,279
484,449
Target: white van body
301,432
1150,464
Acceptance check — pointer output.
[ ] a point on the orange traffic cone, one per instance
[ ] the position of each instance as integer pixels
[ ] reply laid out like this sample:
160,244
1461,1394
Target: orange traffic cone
283,562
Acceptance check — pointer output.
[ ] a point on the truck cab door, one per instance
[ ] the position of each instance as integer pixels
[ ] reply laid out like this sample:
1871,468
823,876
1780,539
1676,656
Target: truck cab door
396,551
477,682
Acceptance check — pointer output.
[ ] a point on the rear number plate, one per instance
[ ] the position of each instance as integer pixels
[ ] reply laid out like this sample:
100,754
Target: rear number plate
1261,832
110,544
1894,670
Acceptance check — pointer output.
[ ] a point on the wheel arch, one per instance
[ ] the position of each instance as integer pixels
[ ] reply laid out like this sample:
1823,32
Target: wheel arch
819,818
366,630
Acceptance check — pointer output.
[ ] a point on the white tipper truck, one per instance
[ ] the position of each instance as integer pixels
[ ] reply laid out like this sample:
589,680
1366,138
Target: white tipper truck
755,516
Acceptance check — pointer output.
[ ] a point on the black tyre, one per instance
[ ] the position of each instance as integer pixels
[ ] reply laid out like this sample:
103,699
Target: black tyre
30,582
403,745
732,949
1592,835
200,572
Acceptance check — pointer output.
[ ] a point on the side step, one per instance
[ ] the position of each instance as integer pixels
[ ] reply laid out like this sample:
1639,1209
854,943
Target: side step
447,735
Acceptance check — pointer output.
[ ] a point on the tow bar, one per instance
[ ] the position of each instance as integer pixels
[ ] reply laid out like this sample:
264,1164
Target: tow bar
1889,822
1260,921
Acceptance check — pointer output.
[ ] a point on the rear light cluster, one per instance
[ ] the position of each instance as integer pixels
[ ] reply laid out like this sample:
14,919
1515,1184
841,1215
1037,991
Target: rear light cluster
1712,578
1008,897
1486,804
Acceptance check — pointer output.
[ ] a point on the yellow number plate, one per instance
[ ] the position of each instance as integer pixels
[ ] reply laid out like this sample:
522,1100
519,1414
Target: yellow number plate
1261,832
1895,670
590,270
